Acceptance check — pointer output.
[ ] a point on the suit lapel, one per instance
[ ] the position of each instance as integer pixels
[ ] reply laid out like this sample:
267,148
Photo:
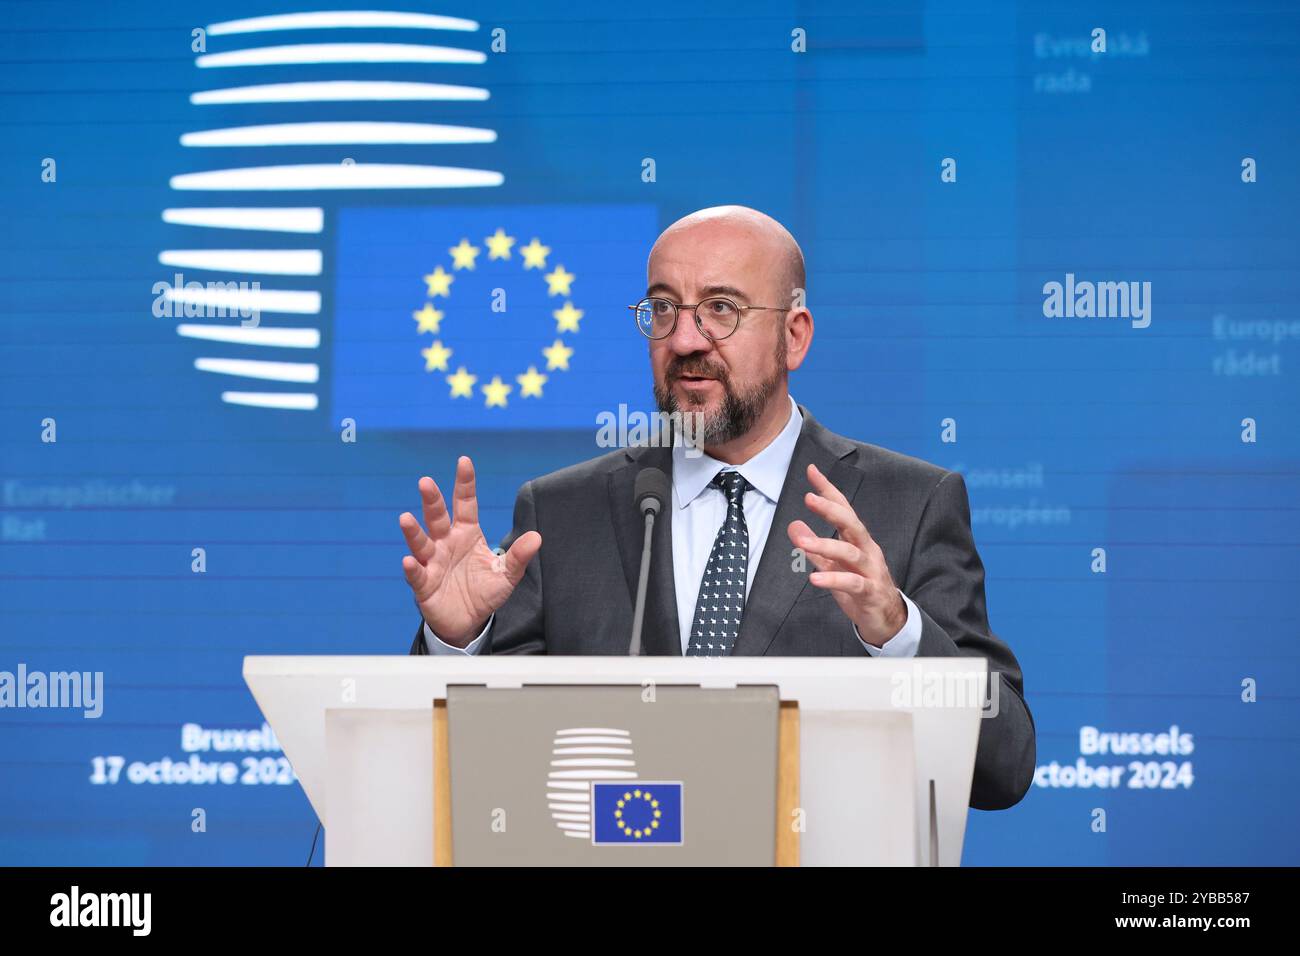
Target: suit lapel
660,635
776,582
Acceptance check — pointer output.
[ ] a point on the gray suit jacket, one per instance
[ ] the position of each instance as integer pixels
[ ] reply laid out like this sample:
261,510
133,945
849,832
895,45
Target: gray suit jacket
576,596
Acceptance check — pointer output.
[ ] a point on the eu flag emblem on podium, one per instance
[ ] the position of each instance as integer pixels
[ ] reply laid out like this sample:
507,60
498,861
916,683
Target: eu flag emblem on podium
636,813
489,317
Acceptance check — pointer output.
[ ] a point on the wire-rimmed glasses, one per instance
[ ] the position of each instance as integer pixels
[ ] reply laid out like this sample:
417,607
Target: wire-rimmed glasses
716,317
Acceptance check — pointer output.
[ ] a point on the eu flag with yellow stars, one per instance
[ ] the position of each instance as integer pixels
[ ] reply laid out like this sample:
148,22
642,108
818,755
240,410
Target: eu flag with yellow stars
489,317
637,813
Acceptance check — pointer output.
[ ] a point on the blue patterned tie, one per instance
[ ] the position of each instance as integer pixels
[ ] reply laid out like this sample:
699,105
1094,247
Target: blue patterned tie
721,603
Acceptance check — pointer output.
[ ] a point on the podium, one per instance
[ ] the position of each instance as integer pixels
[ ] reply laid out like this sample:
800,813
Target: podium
871,759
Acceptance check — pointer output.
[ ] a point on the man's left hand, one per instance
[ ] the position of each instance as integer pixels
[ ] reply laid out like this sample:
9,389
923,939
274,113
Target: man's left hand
852,567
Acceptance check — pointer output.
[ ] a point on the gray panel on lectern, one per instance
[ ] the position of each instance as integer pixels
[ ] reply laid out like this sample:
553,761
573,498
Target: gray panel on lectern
613,776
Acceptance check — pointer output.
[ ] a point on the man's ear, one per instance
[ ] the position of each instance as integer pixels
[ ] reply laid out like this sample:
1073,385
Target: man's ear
798,332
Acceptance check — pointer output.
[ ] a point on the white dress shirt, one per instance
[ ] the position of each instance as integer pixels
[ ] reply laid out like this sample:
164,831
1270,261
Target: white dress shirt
698,512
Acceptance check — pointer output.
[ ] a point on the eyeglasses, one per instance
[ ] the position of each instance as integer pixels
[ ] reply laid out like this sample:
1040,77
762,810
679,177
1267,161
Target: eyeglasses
716,317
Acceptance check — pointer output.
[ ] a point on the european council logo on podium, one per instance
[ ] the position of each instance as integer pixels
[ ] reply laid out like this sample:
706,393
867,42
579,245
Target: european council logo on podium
637,813
489,317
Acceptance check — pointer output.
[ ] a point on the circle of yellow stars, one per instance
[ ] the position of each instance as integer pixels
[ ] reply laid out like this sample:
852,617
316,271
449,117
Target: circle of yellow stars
634,832
437,357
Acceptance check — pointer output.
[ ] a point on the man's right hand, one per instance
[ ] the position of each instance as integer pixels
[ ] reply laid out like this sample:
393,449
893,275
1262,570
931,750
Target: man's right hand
457,580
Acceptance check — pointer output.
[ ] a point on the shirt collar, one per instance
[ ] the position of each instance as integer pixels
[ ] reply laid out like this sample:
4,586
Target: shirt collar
766,471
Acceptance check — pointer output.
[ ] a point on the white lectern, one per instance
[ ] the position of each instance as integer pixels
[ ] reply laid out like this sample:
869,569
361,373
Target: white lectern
886,747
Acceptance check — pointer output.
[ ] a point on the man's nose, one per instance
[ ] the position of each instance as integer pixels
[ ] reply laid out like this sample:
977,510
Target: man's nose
687,337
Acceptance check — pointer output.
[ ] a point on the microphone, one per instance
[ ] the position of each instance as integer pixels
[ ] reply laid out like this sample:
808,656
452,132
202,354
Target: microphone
651,492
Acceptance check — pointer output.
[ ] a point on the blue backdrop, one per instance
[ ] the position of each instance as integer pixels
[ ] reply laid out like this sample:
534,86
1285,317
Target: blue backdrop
940,163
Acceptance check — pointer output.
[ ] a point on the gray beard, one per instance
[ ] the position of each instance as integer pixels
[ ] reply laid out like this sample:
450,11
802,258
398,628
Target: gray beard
738,414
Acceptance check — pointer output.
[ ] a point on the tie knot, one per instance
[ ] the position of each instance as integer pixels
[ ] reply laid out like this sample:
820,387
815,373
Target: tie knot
733,485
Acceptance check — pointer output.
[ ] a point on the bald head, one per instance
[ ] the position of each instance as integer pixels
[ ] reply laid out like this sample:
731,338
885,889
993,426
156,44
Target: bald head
731,368
765,240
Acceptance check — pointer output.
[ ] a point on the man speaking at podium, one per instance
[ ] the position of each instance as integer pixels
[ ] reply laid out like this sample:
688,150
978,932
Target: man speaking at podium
841,547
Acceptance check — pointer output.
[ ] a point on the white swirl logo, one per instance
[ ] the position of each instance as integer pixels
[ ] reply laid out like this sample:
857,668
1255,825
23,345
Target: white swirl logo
581,756
296,325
